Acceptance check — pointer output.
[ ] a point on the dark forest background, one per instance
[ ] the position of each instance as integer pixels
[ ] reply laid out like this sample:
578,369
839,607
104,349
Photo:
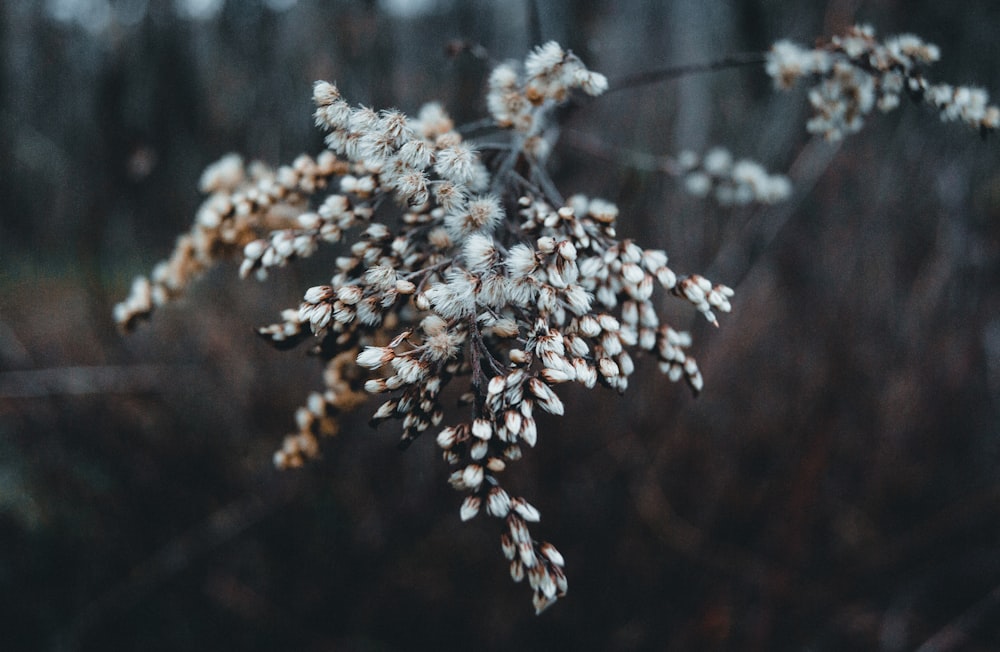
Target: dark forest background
836,486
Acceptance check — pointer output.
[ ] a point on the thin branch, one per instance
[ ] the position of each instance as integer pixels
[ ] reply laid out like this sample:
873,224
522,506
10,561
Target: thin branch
541,177
221,527
11,347
594,146
63,381
504,170
673,72
743,249
956,634
534,22
483,124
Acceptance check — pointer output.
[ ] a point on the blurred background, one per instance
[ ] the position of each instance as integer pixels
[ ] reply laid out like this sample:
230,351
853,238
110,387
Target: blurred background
836,486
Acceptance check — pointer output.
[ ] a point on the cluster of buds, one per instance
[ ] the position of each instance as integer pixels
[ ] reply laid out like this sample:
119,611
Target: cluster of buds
318,418
521,97
716,174
464,264
730,182
856,73
483,274
243,201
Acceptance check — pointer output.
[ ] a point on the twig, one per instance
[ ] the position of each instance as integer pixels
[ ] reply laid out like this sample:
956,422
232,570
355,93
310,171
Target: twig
534,22
11,347
61,381
219,528
956,633
594,146
673,72
736,258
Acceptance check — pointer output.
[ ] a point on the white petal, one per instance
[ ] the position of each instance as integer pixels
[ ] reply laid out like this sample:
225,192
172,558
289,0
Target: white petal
526,510
470,507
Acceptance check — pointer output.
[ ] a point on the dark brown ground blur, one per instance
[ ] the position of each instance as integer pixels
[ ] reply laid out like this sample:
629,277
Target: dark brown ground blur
836,486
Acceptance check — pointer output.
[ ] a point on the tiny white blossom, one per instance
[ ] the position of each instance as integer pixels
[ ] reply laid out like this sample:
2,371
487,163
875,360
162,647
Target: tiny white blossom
482,429
455,298
470,507
447,438
479,252
472,476
374,357
526,510
457,164
552,554
497,502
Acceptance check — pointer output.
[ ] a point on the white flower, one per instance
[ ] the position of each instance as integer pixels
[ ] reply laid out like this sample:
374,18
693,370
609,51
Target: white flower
325,93
225,174
602,211
412,187
482,429
718,161
415,153
433,120
592,83
447,438
470,507
479,252
553,555
363,120
529,431
455,298
546,397
480,215
577,299
498,504
374,357
526,510
521,261
457,163
381,278
472,477
543,58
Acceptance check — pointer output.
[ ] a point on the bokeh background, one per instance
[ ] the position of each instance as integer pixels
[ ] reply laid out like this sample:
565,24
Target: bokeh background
836,486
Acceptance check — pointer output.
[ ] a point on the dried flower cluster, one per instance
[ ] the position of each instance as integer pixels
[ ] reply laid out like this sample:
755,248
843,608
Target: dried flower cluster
523,100
731,182
856,73
461,264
